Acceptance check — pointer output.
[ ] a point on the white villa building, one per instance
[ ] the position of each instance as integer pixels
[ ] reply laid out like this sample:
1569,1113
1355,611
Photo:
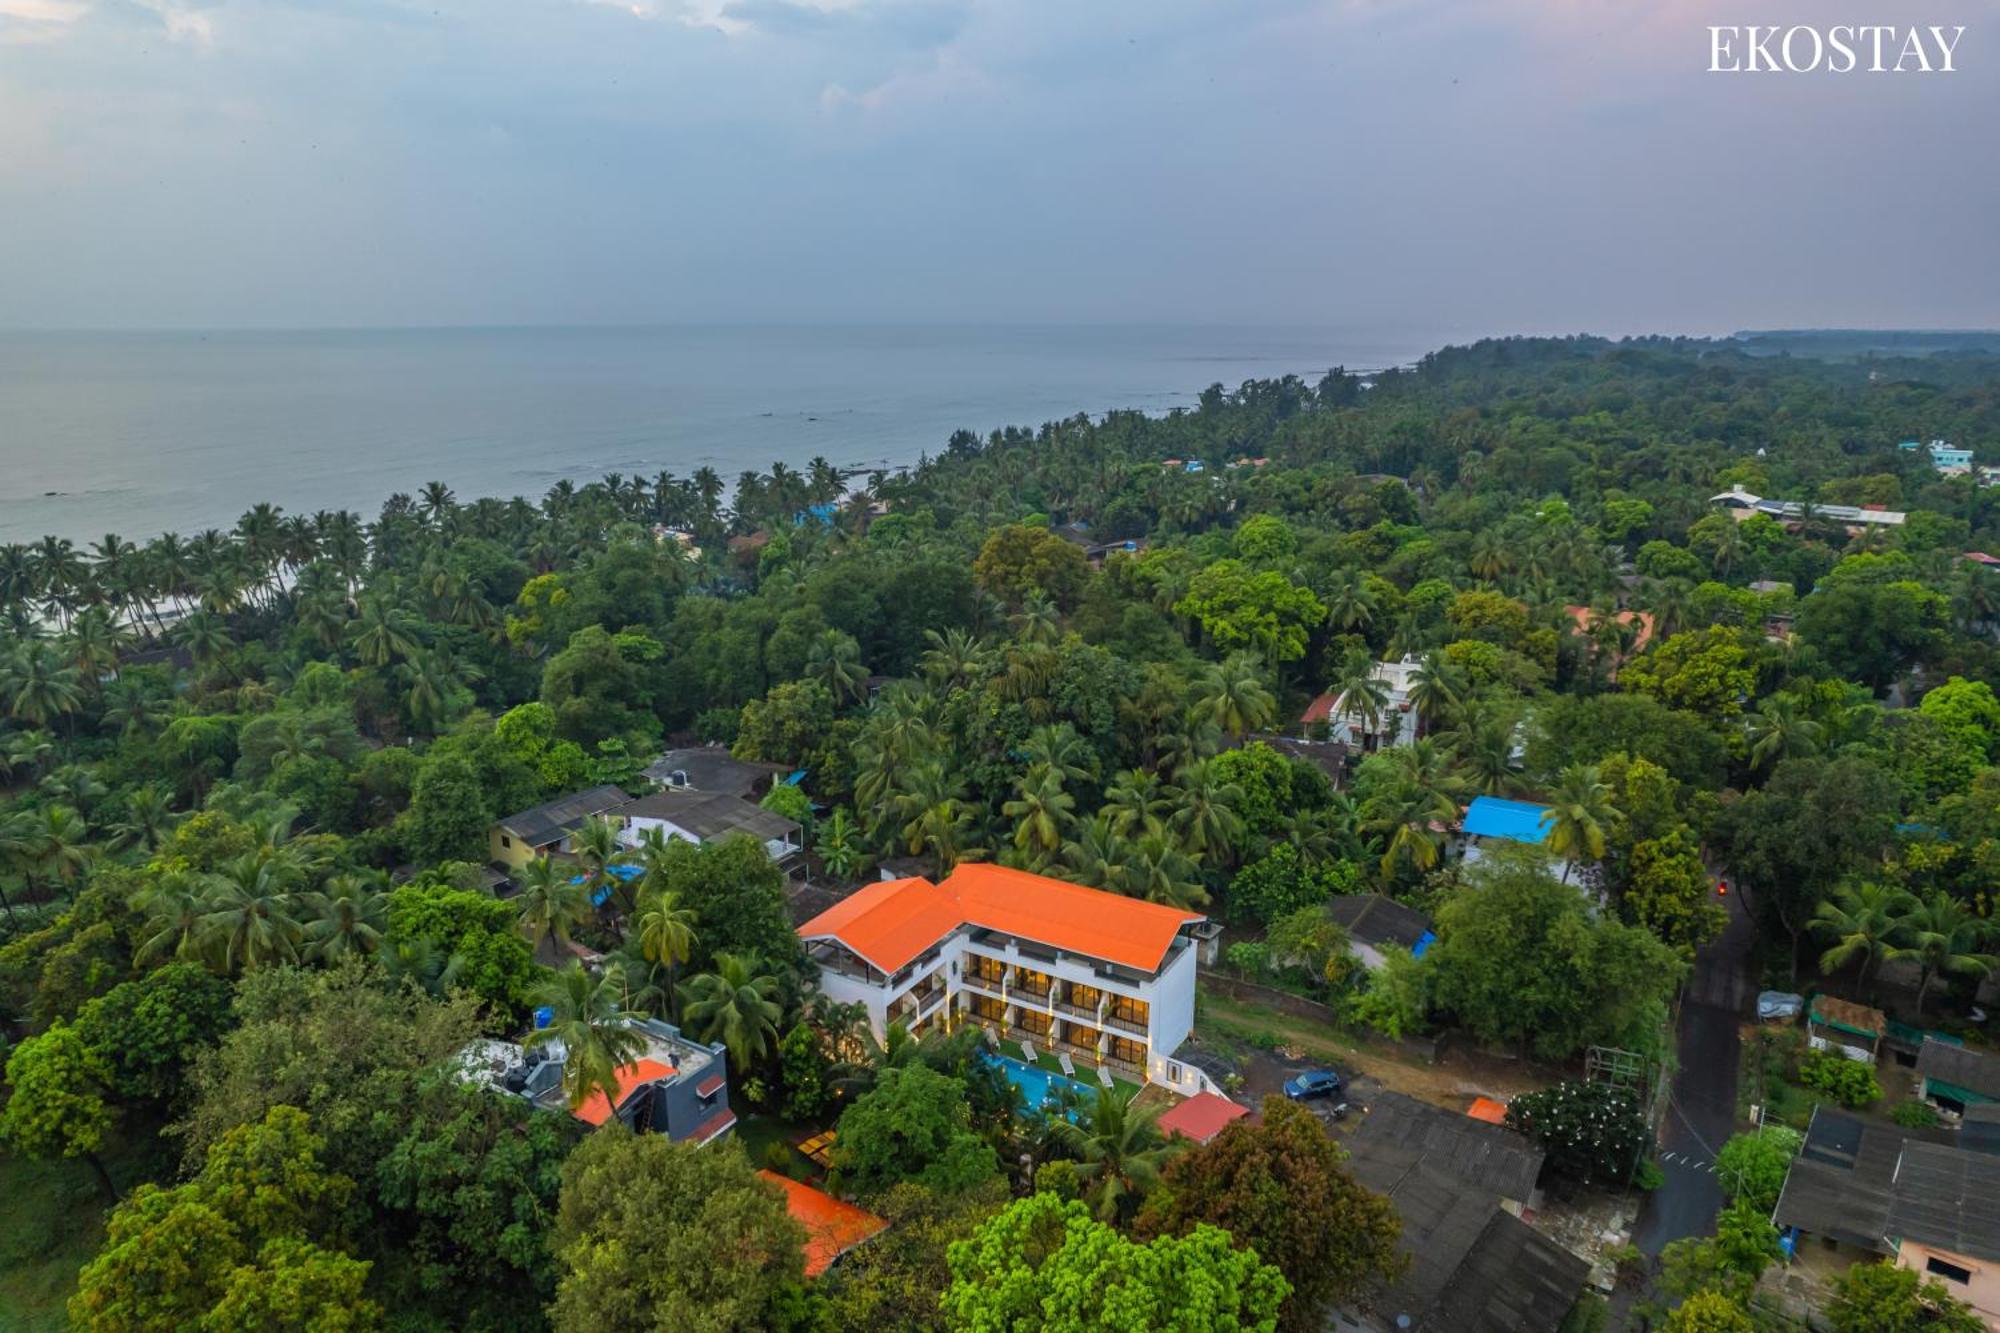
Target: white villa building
1397,724
1106,980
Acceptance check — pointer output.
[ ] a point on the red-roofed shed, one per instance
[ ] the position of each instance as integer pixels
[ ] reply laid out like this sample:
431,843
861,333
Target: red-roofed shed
832,1227
597,1108
1201,1117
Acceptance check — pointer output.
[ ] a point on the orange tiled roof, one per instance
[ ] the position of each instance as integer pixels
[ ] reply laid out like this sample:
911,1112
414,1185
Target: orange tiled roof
1584,618
1320,709
1201,1117
597,1108
892,922
832,1227
1485,1108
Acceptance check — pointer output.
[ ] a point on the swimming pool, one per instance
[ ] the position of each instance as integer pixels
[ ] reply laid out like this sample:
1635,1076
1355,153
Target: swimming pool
1037,1084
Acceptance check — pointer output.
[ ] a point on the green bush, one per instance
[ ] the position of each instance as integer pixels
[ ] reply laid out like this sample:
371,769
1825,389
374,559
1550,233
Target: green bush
1914,1115
1848,1082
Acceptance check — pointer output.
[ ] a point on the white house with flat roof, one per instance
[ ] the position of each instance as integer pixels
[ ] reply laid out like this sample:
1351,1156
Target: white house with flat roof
1106,980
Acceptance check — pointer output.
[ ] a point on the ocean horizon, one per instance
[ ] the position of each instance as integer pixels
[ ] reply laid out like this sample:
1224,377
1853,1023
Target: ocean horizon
141,432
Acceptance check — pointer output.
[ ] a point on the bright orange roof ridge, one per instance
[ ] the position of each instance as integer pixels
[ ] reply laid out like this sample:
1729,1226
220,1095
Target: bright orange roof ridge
832,1226
597,1108
893,921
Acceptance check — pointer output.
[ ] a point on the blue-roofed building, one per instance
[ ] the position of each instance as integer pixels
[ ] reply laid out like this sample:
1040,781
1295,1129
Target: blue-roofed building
1510,821
1491,821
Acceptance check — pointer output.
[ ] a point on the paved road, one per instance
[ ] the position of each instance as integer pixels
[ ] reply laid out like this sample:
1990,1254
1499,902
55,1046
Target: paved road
1702,1110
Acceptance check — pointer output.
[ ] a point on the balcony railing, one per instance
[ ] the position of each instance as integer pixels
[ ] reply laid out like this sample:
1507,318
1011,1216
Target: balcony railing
1034,990
1082,1011
1136,1027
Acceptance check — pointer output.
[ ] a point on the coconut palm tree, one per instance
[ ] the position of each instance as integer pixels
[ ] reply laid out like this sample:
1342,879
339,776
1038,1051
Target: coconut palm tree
346,920
1120,1151
58,847
174,905
1058,748
1359,692
1204,807
1157,870
589,1017
1135,803
1945,939
1233,697
382,632
149,818
1436,690
665,930
551,903
1779,729
1579,815
834,660
1866,922
37,686
1351,600
598,850
249,919
954,658
736,1005
1041,810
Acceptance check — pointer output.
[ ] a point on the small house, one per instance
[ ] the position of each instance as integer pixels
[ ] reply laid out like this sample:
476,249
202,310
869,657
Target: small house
675,1086
1201,1117
712,768
1954,1077
545,829
1378,926
1397,723
1850,1029
704,817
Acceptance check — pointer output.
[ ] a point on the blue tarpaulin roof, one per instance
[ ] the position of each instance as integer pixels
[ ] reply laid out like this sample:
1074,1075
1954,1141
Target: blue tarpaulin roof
1516,821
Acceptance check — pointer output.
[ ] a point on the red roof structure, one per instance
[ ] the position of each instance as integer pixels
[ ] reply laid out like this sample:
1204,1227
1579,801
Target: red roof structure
1320,709
597,1108
832,1227
1485,1108
1201,1117
892,922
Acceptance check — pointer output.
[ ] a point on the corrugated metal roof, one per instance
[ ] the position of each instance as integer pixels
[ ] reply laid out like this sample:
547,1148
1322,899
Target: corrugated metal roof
1962,1067
1514,821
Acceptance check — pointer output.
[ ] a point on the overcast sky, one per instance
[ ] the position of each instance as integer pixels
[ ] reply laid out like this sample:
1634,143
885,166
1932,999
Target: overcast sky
1461,165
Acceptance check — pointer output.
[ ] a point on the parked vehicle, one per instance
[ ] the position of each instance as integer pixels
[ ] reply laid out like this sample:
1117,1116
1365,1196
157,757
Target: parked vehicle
1313,1083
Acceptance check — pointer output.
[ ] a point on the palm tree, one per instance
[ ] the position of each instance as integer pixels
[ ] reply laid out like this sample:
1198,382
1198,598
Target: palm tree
1579,815
1135,803
735,1005
149,817
1157,870
1233,696
955,657
1351,600
382,632
597,849
834,660
173,906
1359,692
58,847
1945,940
1041,810
591,1021
1097,855
248,920
423,964
1436,690
1120,1151
37,686
665,930
1780,730
1205,812
1038,621
1058,748
348,919
839,846
1866,923
552,902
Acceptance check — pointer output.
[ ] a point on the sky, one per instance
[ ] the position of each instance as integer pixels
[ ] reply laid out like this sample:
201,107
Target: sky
1465,166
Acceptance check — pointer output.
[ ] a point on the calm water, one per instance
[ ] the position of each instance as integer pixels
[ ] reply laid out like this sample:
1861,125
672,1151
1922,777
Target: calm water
140,433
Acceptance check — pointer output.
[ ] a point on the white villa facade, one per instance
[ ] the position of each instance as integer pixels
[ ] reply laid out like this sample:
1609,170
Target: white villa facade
1396,724
1106,980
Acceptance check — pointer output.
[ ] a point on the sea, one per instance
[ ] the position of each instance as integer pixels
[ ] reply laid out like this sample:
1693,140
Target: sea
135,434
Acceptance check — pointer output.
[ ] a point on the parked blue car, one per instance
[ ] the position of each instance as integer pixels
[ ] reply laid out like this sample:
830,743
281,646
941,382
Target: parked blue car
1313,1083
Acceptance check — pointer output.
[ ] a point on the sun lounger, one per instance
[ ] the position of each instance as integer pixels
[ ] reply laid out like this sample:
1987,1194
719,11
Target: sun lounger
1028,1049
1067,1068
1104,1076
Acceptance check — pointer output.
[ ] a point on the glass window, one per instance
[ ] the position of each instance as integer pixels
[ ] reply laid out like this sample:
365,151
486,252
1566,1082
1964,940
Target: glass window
1947,1270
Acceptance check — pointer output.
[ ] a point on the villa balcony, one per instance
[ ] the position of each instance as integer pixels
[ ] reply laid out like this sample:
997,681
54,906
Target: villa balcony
1034,990
974,984
916,1006
1085,1012
1120,1023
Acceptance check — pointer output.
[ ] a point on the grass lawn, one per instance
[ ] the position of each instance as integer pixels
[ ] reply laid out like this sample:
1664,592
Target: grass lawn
1085,1074
756,1134
1229,1021
51,1223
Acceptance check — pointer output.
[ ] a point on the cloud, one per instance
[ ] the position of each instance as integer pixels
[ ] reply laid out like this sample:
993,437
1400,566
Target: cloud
946,76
